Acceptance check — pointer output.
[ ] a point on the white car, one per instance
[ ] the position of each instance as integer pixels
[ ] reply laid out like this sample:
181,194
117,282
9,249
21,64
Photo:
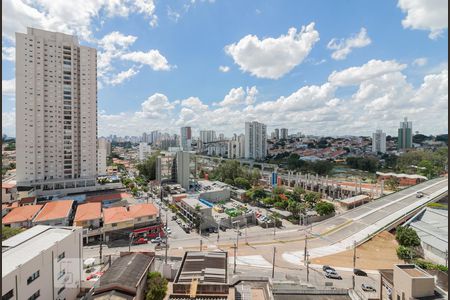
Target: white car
156,240
168,230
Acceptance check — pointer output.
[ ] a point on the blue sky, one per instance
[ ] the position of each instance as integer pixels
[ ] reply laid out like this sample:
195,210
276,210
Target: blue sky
354,67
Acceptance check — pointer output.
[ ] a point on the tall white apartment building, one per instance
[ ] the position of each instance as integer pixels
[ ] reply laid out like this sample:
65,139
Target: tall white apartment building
236,147
255,140
104,143
183,168
43,262
241,139
144,151
103,147
56,111
379,141
207,136
284,133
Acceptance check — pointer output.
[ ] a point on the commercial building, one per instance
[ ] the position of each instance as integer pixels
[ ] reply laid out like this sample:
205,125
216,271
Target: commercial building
197,212
186,138
144,151
166,167
277,133
405,135
43,262
21,217
408,282
55,213
284,133
207,136
202,275
255,140
379,141
56,111
183,167
431,226
125,279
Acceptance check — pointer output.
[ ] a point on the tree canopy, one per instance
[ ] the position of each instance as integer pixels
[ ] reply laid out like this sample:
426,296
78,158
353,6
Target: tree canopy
156,286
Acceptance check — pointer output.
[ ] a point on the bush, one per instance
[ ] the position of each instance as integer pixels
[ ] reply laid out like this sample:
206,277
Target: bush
157,286
324,208
407,237
242,183
429,265
405,253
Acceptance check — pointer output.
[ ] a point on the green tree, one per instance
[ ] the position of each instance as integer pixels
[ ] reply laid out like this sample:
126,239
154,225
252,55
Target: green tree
278,190
393,183
242,183
426,168
156,286
297,193
324,208
405,253
258,193
134,191
8,232
296,208
406,236
311,198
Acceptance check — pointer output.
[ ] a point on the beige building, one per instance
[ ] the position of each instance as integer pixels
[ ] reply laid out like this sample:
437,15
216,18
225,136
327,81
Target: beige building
43,262
56,111
255,140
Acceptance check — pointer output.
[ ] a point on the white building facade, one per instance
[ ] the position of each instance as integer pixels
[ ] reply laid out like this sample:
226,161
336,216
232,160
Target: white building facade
207,136
379,141
186,138
43,262
145,150
255,140
56,111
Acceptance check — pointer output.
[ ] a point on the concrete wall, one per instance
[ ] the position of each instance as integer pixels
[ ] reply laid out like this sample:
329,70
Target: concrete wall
55,222
216,196
411,286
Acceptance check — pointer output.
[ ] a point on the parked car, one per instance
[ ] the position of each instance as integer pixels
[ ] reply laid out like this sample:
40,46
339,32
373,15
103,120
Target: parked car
157,240
419,195
168,230
140,241
174,218
325,268
333,275
367,288
359,272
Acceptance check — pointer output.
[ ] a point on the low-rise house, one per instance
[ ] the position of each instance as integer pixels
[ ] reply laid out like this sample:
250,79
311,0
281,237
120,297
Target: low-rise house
88,215
404,179
55,213
126,278
9,192
21,217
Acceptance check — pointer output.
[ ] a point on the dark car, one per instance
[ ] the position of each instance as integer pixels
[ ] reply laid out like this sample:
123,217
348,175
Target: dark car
359,272
325,268
174,218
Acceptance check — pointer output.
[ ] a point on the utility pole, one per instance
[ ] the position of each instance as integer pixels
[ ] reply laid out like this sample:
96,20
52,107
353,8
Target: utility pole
246,225
235,258
307,267
306,245
237,235
201,245
274,225
129,243
273,262
354,263
218,230
101,249
167,238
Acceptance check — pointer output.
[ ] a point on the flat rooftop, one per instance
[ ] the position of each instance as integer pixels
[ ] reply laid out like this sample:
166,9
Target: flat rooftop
413,271
193,202
208,267
23,247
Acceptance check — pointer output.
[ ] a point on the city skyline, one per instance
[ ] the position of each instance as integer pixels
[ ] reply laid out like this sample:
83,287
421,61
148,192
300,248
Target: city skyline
342,78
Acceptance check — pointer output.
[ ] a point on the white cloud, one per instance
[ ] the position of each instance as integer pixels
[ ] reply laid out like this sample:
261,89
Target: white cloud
9,87
156,106
238,96
372,69
71,17
344,47
224,69
124,75
173,15
422,61
273,57
152,58
9,53
195,103
430,15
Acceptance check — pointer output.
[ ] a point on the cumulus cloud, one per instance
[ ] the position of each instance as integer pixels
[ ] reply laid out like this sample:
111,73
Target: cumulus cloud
343,47
71,17
273,57
9,53
9,87
430,15
420,62
152,58
373,68
124,75
224,69
156,106
238,96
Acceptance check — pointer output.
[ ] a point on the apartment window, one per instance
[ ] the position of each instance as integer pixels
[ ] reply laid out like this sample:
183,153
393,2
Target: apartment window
114,224
33,277
8,295
35,295
61,256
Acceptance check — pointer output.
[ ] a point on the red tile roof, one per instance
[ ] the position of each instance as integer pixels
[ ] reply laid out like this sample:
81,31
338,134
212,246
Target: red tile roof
121,214
21,214
108,197
88,211
27,200
54,210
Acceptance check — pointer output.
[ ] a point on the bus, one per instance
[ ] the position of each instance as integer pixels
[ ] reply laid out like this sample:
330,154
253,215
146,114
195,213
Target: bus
150,232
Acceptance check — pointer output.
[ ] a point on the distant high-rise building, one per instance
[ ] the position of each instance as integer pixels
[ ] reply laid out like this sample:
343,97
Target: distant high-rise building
56,111
186,138
241,139
221,137
155,137
183,167
277,133
379,141
144,151
405,137
145,138
103,151
255,140
207,136
104,143
284,134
